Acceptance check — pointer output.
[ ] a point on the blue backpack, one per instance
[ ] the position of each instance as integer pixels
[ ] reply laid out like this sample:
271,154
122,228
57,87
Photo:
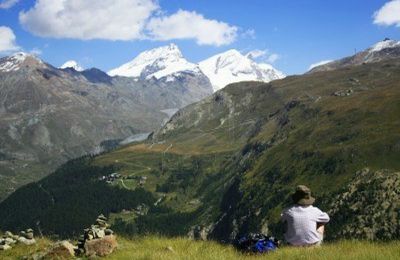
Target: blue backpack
257,243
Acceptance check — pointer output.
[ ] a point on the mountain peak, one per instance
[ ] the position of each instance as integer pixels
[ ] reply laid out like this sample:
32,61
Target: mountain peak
172,47
71,64
171,52
385,44
162,51
21,56
17,61
383,50
158,62
232,66
231,52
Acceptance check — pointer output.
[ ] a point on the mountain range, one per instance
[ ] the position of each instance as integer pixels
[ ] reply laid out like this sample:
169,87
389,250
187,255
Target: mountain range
231,66
226,165
55,105
49,115
222,69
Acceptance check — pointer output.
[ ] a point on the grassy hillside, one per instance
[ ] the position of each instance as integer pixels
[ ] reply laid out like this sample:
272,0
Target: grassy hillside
227,164
179,248
68,200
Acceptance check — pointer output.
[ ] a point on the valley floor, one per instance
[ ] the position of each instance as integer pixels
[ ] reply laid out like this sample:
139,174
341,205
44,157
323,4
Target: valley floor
181,248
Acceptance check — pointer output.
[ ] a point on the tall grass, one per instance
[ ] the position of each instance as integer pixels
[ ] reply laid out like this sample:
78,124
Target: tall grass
156,248
181,248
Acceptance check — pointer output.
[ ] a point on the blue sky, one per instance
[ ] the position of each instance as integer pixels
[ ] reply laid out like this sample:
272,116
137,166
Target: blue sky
299,32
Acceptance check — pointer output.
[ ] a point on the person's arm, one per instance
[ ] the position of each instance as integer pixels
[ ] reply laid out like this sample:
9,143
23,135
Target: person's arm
322,217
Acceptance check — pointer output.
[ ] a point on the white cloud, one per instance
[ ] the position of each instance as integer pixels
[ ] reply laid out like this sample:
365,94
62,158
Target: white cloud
319,64
191,25
122,20
36,51
5,4
89,19
273,57
7,40
254,54
389,14
249,33
263,56
72,64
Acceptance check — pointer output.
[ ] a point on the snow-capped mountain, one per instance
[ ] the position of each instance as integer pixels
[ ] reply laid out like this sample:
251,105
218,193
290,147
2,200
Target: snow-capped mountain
386,49
71,64
385,44
17,61
168,63
158,63
232,66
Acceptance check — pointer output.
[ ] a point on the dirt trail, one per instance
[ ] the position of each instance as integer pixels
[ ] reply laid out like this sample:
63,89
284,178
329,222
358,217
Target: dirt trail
123,184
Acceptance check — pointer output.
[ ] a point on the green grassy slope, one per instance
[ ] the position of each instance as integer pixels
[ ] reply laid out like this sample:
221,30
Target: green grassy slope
325,140
68,200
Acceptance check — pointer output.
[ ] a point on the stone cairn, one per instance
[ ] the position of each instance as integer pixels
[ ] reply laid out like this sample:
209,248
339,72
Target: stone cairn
9,239
97,231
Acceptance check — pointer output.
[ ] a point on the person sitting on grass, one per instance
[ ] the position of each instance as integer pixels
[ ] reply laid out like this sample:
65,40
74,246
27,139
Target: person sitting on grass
304,222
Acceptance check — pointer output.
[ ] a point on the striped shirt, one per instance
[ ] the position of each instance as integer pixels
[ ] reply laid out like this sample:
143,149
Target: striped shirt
302,224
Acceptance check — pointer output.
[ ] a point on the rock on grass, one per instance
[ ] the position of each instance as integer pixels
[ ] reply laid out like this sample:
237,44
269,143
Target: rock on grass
101,246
